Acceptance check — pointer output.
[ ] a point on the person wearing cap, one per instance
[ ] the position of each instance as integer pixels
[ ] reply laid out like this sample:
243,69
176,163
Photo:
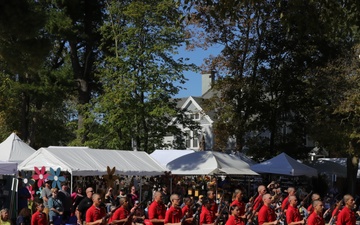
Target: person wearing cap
206,216
45,195
174,213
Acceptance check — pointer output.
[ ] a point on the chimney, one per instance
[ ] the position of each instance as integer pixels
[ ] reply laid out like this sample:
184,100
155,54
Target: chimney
207,80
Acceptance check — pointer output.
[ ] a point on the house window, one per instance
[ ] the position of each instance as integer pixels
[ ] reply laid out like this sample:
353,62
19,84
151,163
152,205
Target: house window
191,139
188,139
196,116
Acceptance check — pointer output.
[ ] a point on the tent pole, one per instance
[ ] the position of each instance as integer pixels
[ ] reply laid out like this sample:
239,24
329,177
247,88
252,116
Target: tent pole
71,183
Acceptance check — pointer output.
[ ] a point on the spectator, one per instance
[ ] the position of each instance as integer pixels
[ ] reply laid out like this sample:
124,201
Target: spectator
56,206
76,197
65,198
84,205
39,217
24,217
4,217
45,195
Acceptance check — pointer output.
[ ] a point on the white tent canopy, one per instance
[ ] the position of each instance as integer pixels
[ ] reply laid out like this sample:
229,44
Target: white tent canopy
166,156
284,165
13,149
209,162
83,161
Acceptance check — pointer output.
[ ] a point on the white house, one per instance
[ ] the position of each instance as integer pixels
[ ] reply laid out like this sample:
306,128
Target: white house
204,139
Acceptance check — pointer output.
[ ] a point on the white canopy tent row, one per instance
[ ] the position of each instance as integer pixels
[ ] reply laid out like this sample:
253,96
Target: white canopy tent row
84,161
283,164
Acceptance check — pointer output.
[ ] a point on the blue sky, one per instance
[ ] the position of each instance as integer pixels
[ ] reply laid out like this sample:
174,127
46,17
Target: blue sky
196,56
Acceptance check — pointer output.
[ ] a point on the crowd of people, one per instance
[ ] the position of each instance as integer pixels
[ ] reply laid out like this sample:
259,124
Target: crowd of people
270,205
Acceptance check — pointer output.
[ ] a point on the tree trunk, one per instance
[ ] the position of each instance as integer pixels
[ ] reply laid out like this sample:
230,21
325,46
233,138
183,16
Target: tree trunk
352,167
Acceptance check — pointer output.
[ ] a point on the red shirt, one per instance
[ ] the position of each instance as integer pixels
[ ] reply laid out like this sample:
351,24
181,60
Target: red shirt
234,221
119,214
258,203
214,206
206,216
186,209
310,209
39,218
173,215
240,205
95,213
346,217
266,214
285,203
156,210
292,214
315,219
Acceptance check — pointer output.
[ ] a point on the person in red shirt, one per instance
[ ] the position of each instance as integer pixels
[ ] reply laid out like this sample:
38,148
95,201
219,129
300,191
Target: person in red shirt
157,209
316,217
293,216
121,215
211,198
206,216
267,214
347,216
291,192
39,217
314,197
187,210
174,213
234,218
258,202
237,196
95,214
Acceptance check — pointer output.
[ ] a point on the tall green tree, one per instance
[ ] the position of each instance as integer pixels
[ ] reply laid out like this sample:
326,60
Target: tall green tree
140,73
31,90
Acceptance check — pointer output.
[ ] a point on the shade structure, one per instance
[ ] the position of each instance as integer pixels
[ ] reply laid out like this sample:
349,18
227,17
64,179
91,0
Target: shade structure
283,164
209,163
329,167
165,156
8,168
84,161
13,149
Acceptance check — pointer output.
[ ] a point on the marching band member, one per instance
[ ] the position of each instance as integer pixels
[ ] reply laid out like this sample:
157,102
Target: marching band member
234,218
157,210
291,192
174,213
316,217
267,214
314,197
293,216
347,216
187,210
206,216
237,196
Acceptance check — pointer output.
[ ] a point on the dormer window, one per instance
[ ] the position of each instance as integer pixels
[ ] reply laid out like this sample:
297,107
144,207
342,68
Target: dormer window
194,116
